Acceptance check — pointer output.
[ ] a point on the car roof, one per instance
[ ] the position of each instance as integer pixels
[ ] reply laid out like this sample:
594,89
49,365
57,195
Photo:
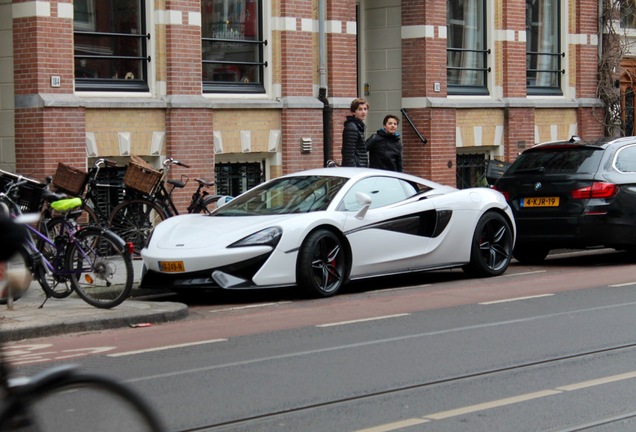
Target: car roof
576,142
352,172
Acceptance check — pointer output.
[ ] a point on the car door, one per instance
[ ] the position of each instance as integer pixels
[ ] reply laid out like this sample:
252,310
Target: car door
393,234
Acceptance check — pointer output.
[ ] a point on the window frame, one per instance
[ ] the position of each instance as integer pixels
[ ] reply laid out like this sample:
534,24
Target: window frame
470,89
115,84
219,87
558,53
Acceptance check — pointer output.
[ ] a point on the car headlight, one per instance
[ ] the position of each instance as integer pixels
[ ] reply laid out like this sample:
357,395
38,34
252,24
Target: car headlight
267,237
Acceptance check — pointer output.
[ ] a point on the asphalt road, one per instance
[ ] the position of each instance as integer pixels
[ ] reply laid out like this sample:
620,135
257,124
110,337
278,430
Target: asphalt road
544,348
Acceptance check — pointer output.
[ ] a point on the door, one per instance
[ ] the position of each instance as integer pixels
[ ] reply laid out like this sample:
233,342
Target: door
381,59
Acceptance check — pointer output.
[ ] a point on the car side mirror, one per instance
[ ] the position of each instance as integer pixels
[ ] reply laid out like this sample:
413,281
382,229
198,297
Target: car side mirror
363,200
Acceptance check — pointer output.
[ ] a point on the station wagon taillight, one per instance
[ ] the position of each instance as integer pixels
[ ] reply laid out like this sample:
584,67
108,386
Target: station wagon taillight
596,190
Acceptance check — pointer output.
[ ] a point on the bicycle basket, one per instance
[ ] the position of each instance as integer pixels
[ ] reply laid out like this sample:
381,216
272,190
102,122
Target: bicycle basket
69,179
28,195
140,176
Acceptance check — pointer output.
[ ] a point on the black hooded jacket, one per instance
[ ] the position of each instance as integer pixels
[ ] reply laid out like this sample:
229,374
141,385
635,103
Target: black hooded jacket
385,151
354,151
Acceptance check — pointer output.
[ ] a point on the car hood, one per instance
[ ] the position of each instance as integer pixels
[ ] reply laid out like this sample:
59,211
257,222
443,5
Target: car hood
199,231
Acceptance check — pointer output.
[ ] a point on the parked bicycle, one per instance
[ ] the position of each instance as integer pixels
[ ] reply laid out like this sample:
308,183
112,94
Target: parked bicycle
84,185
148,201
92,261
64,398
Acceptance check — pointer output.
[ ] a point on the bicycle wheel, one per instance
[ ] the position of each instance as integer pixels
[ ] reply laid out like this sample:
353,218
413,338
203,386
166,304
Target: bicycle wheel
88,217
54,283
78,401
206,204
134,219
100,267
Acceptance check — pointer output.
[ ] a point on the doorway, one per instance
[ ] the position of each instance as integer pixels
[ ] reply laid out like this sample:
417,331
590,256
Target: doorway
380,48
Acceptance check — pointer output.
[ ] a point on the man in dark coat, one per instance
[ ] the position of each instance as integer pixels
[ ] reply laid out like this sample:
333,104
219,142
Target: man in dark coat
385,147
354,151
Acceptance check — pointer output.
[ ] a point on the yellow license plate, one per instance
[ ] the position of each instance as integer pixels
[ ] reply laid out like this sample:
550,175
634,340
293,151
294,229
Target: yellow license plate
540,202
172,266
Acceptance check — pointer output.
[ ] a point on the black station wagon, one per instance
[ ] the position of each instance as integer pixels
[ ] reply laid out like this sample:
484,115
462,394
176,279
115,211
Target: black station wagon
574,195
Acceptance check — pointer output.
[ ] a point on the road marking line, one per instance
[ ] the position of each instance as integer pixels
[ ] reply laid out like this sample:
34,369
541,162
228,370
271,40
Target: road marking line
622,285
167,347
395,426
362,320
507,401
249,306
374,342
399,289
523,273
492,404
599,381
515,299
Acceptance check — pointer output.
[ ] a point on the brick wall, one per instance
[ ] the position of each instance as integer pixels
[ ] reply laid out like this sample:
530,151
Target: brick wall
189,140
518,131
46,136
183,51
342,50
297,124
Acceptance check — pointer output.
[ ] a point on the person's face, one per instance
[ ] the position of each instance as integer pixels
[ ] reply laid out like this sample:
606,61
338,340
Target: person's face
361,112
391,126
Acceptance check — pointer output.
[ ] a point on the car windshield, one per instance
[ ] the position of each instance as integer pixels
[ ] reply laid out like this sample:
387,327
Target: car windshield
302,194
558,160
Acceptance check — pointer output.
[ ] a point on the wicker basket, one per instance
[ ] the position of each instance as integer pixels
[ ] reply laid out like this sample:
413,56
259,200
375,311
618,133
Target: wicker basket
140,176
69,179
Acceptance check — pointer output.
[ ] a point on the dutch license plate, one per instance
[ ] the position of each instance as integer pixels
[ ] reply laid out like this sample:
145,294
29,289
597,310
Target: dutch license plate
172,266
540,202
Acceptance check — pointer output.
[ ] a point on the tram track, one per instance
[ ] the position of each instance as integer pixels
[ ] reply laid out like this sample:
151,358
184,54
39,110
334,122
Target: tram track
245,421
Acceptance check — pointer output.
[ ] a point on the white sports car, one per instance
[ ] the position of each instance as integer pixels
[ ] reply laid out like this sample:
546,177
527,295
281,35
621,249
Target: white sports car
320,228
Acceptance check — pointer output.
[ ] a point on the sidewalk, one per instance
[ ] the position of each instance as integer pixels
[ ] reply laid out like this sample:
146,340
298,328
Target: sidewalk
72,314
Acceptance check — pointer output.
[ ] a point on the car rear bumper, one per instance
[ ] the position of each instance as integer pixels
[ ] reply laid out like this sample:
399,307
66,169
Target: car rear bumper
576,232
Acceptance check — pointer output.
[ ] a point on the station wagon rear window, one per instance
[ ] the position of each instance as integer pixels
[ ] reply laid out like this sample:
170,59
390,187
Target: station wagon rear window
558,160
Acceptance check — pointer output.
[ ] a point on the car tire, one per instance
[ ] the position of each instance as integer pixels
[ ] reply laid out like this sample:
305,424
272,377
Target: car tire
530,254
491,248
322,264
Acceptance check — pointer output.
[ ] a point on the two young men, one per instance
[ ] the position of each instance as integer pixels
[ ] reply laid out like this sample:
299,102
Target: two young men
384,147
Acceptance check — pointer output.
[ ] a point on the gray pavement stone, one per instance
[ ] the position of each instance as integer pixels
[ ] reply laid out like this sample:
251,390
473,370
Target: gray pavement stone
70,315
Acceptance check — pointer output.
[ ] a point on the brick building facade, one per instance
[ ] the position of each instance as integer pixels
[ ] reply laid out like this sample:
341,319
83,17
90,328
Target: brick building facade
54,106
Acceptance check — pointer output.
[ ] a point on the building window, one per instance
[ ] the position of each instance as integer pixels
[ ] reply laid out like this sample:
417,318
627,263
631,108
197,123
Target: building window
110,45
235,178
466,53
232,46
628,14
543,47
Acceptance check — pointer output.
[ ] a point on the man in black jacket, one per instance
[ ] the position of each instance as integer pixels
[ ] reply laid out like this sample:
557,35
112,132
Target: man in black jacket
354,151
385,147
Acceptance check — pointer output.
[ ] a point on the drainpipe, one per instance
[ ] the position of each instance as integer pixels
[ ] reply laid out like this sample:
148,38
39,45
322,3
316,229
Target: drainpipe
327,112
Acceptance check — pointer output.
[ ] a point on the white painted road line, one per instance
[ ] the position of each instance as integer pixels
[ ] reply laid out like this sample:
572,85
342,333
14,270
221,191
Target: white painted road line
622,285
523,273
252,306
469,409
515,299
362,320
167,347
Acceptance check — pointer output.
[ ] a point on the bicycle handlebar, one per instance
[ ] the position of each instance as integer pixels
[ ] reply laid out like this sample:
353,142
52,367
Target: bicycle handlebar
106,162
171,161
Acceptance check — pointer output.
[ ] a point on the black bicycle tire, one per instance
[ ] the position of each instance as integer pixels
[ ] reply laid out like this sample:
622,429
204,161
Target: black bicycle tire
133,225
102,268
19,404
40,272
207,204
